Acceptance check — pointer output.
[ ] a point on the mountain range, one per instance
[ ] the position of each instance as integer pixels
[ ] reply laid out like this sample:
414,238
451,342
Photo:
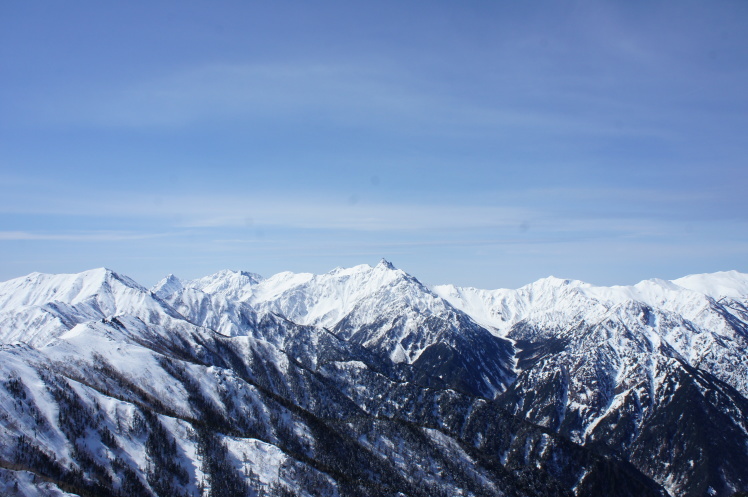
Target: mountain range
365,382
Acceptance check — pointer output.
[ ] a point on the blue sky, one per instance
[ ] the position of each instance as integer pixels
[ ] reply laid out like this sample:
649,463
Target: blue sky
481,143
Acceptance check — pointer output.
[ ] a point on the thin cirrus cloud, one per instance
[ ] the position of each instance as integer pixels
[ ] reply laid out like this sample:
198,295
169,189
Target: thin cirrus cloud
295,209
75,236
384,97
531,215
221,211
243,90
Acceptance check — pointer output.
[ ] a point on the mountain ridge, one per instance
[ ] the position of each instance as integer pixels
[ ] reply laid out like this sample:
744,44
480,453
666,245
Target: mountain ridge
363,381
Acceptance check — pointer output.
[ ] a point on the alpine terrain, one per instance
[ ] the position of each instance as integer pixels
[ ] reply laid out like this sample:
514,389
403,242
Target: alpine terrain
365,382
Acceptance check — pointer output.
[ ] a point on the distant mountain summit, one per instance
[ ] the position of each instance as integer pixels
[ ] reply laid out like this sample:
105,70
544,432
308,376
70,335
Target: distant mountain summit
363,381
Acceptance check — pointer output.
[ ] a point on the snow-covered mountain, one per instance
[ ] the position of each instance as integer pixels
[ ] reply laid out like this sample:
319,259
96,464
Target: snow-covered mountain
702,318
39,308
363,381
380,308
620,366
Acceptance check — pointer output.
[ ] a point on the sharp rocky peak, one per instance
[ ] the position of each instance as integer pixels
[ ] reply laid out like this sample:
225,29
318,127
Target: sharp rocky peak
167,286
325,298
385,264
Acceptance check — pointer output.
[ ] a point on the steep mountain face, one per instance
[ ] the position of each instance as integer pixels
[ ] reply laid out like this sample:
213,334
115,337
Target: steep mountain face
40,307
381,308
364,382
654,373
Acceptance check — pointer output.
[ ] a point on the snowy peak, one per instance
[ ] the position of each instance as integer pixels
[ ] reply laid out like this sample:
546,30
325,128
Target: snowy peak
393,315
229,301
39,308
167,287
503,308
385,264
324,299
38,289
237,285
553,282
717,285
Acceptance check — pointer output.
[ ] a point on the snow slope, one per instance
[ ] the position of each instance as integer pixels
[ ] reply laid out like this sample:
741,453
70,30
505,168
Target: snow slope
501,309
615,366
38,308
363,381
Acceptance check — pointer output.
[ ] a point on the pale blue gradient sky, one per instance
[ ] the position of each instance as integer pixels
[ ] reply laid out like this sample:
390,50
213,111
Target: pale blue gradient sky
482,143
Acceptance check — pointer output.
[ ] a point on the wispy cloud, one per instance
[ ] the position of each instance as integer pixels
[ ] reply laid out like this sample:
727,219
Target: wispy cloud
289,211
250,90
612,211
96,236
369,95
